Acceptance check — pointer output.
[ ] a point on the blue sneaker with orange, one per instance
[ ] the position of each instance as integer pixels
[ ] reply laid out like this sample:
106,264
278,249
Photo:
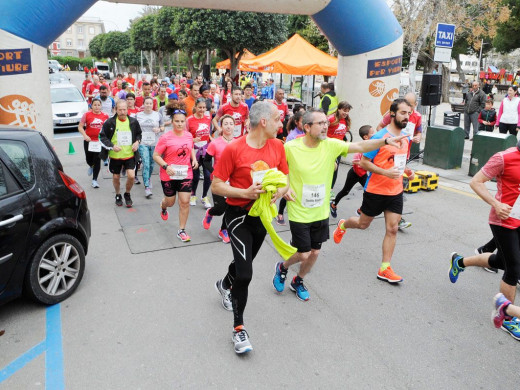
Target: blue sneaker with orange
339,232
455,269
300,290
279,277
206,222
512,327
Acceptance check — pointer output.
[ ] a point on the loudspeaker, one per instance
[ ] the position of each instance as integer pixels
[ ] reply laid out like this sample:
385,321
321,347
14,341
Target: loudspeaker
206,72
431,90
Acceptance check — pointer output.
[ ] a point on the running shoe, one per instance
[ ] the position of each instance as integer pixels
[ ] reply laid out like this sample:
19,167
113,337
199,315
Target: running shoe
455,270
498,315
95,184
225,295
148,192
339,232
279,277
358,212
90,171
206,222
206,202
389,276
241,340
119,200
299,289
333,210
403,224
128,199
123,172
183,236
280,220
105,163
136,180
193,200
223,234
512,327
164,214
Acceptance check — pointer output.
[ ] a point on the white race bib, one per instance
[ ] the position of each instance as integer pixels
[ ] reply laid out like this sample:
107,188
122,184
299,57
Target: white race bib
181,172
94,146
237,131
148,138
124,138
409,129
400,162
200,144
313,195
258,176
515,211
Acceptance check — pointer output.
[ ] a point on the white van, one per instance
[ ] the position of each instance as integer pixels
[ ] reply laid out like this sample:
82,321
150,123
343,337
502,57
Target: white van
55,65
103,69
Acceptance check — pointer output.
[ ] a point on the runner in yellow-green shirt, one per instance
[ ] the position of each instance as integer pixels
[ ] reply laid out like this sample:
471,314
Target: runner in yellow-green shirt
311,161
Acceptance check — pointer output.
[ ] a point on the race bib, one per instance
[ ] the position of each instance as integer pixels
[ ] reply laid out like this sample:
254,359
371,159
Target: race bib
124,138
148,138
94,146
200,144
258,176
181,172
237,131
400,162
515,211
409,129
313,195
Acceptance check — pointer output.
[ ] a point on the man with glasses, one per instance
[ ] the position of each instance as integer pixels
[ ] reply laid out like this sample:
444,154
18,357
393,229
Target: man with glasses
311,160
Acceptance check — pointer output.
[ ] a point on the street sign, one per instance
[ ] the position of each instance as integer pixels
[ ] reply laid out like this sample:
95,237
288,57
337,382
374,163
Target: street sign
445,35
442,54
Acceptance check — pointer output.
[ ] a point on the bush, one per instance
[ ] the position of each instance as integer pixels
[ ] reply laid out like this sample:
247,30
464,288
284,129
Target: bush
76,63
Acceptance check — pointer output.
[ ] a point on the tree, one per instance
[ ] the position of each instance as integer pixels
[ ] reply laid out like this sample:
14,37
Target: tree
114,43
96,46
197,30
166,44
130,57
305,26
508,32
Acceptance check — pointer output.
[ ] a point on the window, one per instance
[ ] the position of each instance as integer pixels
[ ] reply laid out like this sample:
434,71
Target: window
80,29
467,63
69,42
474,63
91,30
17,154
80,42
58,45
3,184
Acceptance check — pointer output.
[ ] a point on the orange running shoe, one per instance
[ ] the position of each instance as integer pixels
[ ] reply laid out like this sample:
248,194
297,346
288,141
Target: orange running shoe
389,275
339,232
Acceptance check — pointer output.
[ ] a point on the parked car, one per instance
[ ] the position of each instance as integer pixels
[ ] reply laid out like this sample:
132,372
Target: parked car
103,69
55,64
44,220
58,78
68,106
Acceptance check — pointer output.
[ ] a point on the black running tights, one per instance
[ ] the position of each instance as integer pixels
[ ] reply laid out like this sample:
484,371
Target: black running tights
508,254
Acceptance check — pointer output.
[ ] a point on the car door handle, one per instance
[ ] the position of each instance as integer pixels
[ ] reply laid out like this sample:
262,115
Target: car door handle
10,221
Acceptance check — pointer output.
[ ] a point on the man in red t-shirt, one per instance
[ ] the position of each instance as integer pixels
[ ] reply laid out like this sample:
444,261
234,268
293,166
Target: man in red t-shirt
282,109
237,109
140,82
93,88
147,91
119,77
85,84
117,88
130,79
243,163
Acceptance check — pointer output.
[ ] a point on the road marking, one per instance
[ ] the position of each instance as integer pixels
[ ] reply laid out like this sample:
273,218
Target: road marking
459,192
53,348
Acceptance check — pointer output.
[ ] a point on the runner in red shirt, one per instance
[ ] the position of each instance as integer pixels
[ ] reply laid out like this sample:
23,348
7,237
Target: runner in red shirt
339,124
225,94
147,91
130,79
85,84
89,127
93,89
130,101
282,109
140,82
119,77
243,163
237,110
117,88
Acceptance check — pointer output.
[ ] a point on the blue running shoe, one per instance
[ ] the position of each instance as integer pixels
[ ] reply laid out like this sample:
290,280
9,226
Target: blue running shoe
512,327
279,277
455,270
300,290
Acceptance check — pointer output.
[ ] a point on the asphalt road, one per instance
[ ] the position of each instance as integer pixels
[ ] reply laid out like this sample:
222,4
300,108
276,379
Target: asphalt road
153,320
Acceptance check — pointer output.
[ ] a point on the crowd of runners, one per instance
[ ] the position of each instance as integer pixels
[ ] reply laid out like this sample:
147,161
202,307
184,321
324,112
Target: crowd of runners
251,151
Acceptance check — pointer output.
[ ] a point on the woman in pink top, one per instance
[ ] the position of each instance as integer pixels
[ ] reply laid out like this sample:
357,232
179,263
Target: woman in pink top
175,155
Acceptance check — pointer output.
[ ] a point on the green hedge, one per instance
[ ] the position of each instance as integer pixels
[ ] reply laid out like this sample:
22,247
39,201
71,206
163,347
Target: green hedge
75,63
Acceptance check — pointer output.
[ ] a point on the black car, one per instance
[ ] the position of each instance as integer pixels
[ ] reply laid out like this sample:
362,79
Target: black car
44,220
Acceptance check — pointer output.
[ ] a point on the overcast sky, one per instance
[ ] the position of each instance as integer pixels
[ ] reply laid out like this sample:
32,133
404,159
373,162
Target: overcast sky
116,16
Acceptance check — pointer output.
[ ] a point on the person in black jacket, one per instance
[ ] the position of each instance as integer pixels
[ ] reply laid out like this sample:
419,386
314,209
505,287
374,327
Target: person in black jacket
121,136
487,117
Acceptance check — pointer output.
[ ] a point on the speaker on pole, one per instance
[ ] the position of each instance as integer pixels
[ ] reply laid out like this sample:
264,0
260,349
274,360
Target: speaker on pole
431,90
206,72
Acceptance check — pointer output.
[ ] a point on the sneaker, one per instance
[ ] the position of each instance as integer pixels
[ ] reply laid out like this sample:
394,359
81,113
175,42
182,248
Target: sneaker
358,212
339,232
333,210
95,184
279,277
119,200
164,214
206,202
223,234
128,199
512,327
193,200
280,220
136,180
147,192
206,222
90,171
497,316
389,275
403,224
300,290
455,270
183,236
241,340
123,172
225,295
105,163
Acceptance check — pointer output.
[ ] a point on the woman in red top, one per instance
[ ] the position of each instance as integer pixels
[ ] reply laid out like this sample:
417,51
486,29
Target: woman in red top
199,125
226,93
339,126
89,127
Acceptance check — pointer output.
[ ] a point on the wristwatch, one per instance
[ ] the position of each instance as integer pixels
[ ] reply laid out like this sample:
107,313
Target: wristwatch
165,166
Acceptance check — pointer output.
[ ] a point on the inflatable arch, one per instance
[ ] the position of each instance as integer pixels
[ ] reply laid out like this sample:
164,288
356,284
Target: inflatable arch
365,33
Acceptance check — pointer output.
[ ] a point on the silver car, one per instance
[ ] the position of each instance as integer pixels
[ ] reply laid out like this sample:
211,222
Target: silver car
68,106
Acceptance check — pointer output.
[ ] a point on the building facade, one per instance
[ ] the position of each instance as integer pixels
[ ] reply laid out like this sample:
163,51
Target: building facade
74,41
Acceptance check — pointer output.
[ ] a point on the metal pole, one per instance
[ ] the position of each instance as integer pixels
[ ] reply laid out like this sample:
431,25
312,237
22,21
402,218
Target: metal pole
479,58
141,62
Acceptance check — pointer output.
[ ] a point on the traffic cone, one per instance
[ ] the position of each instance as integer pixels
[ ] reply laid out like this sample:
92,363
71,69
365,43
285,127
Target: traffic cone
71,148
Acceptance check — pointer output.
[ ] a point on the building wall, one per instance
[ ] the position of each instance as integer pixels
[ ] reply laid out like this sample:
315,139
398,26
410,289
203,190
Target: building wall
74,41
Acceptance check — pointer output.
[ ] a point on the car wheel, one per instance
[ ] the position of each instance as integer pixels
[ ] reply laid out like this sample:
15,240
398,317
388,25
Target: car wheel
55,270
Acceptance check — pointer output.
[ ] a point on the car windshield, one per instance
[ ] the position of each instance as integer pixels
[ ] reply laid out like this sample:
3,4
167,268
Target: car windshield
58,78
103,67
63,95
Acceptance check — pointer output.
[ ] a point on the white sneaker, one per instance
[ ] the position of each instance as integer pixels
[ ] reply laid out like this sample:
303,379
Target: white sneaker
193,200
148,192
404,224
95,184
241,340
206,202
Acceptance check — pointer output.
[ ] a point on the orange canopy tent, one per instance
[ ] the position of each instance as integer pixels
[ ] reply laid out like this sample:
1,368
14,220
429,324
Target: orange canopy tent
226,64
295,56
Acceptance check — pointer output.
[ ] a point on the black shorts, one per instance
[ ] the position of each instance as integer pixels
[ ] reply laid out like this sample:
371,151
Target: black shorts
375,204
116,165
307,236
171,187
